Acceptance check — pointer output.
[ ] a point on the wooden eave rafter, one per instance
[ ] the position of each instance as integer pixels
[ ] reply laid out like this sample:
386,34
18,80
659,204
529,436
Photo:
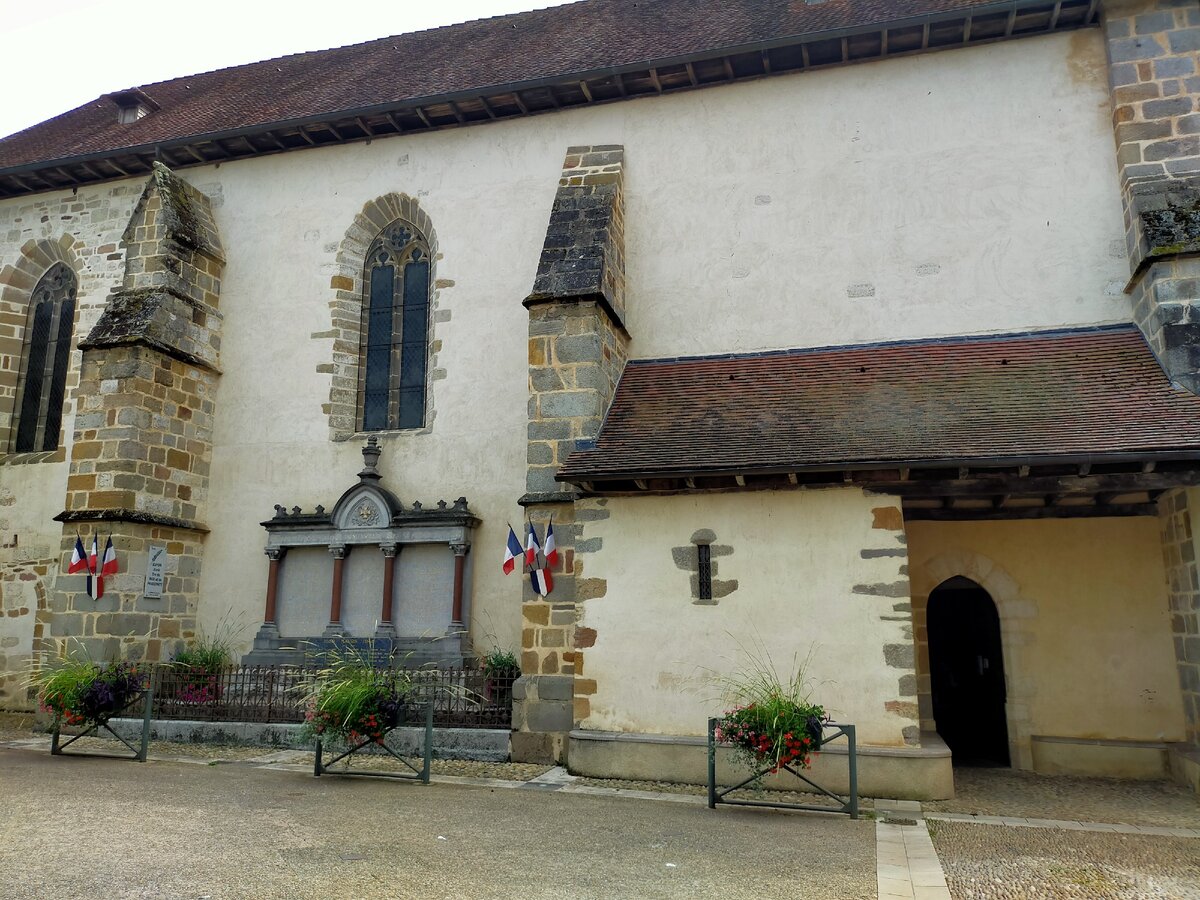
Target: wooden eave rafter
760,60
1020,491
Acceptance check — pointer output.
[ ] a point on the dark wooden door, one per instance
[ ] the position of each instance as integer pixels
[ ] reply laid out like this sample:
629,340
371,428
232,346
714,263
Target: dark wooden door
967,669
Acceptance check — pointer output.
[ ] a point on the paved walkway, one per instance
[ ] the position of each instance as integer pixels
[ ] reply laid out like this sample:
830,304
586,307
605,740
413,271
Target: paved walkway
378,841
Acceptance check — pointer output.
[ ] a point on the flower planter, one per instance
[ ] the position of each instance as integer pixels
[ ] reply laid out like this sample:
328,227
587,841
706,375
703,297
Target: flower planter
101,722
378,739
771,762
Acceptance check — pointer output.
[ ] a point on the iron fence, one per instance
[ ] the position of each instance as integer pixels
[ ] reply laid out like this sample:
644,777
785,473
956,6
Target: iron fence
461,698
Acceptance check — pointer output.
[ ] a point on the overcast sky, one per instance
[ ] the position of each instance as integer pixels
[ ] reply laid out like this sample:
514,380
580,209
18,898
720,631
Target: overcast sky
55,56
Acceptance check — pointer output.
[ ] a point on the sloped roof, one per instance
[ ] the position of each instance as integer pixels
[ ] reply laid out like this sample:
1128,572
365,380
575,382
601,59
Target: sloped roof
577,38
1041,396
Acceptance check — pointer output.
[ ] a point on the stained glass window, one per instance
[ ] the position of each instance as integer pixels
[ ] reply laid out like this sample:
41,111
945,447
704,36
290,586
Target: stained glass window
41,388
395,330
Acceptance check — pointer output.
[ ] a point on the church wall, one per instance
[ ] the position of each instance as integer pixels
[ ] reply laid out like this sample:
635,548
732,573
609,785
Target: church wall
1086,631
814,197
801,574
83,230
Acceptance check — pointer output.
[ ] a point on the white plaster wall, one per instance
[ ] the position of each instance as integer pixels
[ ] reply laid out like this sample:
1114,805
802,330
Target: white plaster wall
658,657
972,190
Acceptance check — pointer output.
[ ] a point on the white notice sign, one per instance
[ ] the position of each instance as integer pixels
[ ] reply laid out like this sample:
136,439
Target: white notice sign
154,571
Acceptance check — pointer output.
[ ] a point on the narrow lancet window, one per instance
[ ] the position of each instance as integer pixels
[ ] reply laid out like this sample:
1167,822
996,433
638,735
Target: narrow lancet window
41,387
392,361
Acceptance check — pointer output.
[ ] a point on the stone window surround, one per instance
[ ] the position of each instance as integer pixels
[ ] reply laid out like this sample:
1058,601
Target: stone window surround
348,284
17,283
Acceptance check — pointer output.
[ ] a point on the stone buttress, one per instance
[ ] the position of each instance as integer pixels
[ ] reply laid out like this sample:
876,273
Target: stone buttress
1153,51
139,465
578,346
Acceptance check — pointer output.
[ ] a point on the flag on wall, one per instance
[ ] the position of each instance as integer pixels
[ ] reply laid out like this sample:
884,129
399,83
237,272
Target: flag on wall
78,557
109,565
543,581
550,551
95,584
512,551
531,547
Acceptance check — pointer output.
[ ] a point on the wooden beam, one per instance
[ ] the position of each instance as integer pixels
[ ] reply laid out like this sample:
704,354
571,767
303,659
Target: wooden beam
1012,20
303,132
1026,512
805,61
362,123
587,91
487,107
691,73
391,117
457,112
740,479
517,97
967,31
792,479
425,119
766,63
1054,17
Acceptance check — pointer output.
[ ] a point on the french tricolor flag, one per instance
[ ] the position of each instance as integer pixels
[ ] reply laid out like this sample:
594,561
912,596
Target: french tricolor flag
95,584
550,551
109,565
543,582
531,547
78,557
512,551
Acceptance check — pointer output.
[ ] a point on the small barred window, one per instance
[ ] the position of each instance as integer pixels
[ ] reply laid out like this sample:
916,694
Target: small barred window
41,388
704,553
395,331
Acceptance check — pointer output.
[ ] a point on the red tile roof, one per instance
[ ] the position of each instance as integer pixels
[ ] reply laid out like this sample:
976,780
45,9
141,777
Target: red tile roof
576,38
1043,396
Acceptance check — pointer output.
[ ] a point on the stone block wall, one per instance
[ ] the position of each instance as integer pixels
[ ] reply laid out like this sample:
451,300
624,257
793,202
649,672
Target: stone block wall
143,435
1154,76
124,624
578,347
1175,514
141,454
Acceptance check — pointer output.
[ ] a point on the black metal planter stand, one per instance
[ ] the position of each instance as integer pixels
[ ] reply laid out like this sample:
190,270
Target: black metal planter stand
139,753
422,774
847,805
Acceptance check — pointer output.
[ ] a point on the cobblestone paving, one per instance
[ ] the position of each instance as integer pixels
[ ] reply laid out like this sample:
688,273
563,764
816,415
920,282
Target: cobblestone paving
1005,792
994,862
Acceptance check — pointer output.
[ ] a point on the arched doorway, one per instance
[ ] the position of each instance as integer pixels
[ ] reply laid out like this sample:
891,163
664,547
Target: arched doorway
967,673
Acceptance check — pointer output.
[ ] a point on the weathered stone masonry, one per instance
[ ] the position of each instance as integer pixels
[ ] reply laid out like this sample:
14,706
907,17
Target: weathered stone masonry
1154,75
577,351
1175,514
139,465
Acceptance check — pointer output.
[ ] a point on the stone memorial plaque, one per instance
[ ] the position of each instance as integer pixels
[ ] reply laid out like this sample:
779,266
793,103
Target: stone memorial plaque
154,571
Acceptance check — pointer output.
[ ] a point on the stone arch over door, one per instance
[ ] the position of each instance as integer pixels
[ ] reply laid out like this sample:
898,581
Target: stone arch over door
348,284
1016,613
17,282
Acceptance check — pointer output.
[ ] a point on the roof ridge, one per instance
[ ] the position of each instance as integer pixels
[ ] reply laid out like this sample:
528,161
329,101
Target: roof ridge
952,340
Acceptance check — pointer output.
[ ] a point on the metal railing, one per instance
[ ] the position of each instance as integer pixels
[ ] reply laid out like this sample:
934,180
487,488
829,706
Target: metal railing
461,698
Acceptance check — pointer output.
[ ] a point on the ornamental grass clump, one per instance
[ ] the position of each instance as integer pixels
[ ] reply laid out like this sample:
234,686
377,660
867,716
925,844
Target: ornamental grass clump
772,722
351,700
81,692
197,667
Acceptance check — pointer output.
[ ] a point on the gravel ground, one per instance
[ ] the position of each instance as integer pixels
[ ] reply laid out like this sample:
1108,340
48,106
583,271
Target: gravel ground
668,787
992,862
1007,792
19,727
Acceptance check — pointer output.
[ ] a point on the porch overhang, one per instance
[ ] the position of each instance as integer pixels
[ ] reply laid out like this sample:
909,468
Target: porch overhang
1080,423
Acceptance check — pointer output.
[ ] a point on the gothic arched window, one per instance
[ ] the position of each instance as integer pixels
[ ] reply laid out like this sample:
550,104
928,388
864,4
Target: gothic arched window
41,387
395,330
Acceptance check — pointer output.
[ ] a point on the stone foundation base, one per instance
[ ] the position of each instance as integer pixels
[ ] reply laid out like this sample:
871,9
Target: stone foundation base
1108,759
1185,765
903,773
543,747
